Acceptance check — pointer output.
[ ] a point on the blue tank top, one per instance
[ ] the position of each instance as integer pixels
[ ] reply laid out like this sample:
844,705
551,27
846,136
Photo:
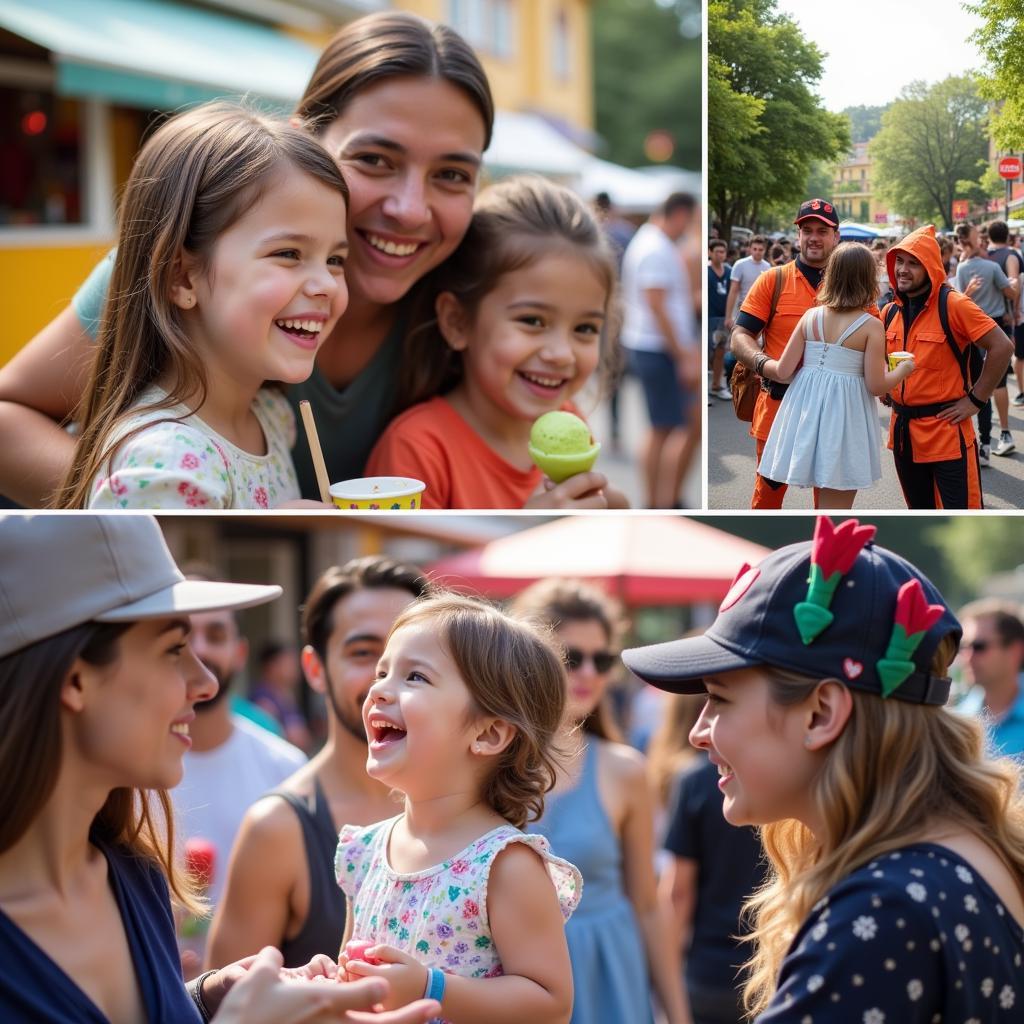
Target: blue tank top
609,965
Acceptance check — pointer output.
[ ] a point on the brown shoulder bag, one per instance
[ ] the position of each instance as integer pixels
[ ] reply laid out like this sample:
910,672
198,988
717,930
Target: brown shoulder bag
745,384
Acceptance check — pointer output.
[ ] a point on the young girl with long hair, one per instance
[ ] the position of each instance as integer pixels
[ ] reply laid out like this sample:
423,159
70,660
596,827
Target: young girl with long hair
228,274
451,898
895,839
524,303
826,434
405,108
97,692
601,816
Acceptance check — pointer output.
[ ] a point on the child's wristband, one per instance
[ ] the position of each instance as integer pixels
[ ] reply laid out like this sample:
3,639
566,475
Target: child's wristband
435,985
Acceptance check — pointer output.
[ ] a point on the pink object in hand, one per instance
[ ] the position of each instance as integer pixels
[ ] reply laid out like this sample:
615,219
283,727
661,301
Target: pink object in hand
355,949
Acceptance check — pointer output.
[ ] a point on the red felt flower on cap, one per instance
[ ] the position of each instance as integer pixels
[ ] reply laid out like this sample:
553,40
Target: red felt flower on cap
815,205
828,207
833,552
914,616
835,549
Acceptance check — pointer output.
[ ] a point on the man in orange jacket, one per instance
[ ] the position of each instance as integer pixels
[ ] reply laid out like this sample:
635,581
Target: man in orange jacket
818,226
930,431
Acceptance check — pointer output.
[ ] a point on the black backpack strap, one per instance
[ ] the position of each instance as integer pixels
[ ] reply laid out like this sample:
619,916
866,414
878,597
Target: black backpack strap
960,355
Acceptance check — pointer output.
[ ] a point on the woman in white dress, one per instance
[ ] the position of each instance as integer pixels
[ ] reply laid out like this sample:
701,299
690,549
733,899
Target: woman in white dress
826,434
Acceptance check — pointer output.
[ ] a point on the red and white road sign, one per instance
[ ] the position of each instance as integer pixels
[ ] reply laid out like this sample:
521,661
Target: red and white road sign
1009,167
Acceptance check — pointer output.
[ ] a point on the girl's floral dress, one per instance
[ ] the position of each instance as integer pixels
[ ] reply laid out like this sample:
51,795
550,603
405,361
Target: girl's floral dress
178,461
438,915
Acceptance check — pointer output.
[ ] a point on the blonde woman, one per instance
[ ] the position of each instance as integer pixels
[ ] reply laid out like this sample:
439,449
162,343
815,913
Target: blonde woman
896,842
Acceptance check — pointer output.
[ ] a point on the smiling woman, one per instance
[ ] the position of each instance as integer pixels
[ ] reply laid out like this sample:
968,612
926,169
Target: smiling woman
97,691
895,841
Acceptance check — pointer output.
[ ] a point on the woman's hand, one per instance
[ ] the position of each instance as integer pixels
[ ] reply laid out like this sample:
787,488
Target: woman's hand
262,992
405,975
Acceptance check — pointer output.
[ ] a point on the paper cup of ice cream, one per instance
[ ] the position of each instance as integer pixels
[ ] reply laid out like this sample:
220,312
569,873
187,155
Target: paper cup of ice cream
377,493
895,358
561,445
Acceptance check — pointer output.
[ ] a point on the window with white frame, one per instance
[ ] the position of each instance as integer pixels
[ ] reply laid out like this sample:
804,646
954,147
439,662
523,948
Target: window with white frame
487,25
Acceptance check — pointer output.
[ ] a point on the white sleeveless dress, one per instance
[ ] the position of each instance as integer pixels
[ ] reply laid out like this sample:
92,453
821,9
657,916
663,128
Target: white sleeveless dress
826,432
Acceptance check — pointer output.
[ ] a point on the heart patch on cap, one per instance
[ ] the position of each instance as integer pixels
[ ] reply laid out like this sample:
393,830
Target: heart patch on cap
851,668
740,585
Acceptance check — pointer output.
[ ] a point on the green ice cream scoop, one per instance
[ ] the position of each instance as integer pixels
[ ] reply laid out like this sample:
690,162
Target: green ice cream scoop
561,445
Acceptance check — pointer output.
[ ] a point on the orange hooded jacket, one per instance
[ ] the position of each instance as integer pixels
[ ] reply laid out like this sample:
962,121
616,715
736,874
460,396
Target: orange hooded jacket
937,376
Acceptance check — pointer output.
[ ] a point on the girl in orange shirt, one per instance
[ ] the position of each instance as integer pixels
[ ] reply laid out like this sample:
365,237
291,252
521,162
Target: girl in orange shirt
522,308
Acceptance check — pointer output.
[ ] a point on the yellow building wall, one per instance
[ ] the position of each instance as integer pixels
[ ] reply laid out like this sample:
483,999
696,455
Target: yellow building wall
526,80
37,284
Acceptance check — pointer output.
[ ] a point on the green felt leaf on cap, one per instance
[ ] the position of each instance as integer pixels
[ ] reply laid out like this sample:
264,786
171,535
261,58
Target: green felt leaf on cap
893,673
811,620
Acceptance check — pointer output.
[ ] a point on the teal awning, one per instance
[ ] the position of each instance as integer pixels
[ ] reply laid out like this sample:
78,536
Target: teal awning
160,54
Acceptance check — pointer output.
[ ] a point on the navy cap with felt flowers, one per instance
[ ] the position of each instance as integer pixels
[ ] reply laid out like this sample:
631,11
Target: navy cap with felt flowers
837,607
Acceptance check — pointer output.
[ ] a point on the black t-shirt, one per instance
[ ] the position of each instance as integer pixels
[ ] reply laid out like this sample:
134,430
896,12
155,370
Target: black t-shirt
718,290
729,868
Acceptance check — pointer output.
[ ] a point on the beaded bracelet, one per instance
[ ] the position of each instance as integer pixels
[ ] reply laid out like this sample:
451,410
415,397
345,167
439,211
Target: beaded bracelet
195,990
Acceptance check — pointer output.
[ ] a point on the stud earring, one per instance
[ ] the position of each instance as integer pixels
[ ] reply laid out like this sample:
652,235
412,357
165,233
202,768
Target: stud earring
807,741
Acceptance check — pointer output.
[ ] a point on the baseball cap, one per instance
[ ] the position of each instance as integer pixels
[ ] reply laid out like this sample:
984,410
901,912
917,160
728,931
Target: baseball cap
818,209
60,571
838,607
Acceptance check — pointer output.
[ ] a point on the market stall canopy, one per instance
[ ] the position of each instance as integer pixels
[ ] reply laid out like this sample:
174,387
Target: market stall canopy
643,560
851,232
526,142
160,54
630,191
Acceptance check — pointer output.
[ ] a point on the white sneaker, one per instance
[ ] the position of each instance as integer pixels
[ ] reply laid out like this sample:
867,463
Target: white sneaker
1018,399
1005,445
722,392
983,454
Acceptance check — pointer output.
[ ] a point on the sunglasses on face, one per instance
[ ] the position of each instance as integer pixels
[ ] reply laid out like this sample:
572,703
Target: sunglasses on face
602,660
977,646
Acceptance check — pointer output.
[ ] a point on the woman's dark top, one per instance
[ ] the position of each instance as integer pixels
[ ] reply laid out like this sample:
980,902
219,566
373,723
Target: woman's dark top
914,936
33,989
324,926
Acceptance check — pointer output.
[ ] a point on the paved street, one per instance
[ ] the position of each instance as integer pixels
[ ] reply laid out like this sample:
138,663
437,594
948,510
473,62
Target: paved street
623,467
731,466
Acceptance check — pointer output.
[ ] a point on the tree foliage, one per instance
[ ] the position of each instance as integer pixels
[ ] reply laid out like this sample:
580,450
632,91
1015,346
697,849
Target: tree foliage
865,122
1001,41
959,554
932,138
647,70
766,125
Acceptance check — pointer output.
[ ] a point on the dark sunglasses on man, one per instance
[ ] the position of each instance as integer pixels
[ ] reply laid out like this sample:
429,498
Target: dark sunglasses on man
977,646
601,660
